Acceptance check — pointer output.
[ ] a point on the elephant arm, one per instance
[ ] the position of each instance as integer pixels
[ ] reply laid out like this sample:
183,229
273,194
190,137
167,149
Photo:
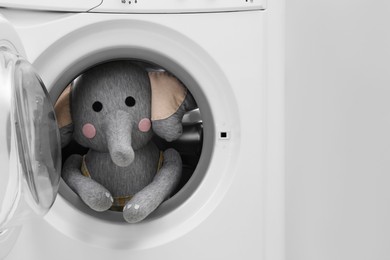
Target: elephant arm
92,193
149,198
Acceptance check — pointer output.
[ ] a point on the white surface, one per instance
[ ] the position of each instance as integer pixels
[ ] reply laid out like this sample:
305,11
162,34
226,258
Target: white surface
9,37
59,5
136,6
10,186
8,239
224,218
177,6
275,177
338,130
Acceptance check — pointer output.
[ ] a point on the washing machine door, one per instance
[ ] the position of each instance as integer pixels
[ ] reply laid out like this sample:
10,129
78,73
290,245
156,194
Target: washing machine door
30,154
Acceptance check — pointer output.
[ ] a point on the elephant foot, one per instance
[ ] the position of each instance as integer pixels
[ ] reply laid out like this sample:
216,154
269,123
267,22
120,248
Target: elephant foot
96,196
137,209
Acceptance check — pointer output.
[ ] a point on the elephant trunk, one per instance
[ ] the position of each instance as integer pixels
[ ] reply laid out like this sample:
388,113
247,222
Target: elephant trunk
118,134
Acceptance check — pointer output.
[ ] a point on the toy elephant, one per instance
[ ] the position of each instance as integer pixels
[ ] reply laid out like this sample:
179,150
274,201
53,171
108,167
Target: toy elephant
114,109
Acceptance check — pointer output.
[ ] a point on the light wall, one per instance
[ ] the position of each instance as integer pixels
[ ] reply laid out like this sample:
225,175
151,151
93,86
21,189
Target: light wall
338,130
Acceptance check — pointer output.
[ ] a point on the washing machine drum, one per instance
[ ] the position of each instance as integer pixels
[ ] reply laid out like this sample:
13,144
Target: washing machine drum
30,153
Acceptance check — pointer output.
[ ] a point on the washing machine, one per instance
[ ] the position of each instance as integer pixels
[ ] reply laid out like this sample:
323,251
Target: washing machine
229,55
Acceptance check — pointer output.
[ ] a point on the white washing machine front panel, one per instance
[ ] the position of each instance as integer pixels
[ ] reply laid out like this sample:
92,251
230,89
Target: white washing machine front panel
220,213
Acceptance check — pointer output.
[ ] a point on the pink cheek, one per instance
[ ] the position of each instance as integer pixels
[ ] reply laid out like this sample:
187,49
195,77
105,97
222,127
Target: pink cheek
144,125
89,130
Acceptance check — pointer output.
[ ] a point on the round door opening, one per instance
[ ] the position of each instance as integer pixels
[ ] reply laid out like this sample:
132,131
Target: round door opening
132,137
203,75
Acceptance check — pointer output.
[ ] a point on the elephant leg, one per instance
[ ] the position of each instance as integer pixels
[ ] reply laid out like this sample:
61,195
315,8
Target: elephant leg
92,193
163,184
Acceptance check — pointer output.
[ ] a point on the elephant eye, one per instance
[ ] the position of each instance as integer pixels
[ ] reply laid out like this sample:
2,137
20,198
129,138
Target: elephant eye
97,106
130,101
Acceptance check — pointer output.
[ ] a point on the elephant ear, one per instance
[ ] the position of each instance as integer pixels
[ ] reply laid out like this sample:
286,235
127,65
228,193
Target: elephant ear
63,114
170,101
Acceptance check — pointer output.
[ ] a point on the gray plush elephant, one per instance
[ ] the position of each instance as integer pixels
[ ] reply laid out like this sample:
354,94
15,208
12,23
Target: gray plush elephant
114,109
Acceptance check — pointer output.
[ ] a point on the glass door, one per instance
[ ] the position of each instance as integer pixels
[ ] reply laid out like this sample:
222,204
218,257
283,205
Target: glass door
30,151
